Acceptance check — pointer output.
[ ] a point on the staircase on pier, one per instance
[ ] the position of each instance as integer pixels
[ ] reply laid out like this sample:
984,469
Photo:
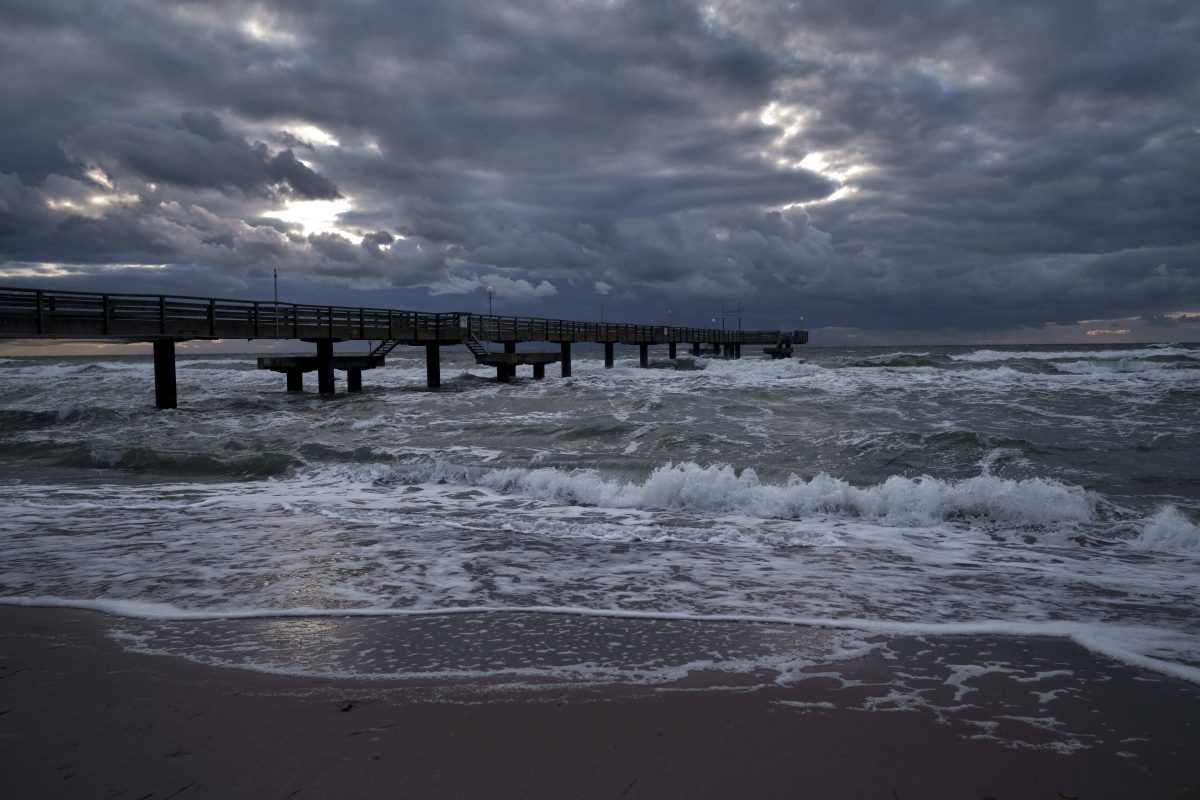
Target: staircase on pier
385,347
477,348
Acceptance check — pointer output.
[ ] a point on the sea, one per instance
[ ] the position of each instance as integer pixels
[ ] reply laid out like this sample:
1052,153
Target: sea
726,517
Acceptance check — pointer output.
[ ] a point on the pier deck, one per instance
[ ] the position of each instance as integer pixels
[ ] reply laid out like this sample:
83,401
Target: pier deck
167,319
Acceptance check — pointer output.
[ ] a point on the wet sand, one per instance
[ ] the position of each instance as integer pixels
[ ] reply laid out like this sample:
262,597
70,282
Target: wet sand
80,717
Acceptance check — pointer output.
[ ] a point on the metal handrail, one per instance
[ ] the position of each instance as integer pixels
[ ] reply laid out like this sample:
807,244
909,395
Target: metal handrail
162,315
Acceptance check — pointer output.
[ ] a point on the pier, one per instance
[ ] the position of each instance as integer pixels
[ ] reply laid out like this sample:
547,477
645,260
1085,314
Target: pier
165,320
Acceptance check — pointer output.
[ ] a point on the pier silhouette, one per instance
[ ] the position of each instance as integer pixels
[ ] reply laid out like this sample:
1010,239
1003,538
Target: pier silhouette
164,320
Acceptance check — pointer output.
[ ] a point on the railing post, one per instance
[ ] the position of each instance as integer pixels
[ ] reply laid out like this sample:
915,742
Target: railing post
162,314
330,323
212,318
40,315
360,324
255,318
295,321
105,315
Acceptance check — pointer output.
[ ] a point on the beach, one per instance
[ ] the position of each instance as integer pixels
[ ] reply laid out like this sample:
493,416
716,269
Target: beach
84,718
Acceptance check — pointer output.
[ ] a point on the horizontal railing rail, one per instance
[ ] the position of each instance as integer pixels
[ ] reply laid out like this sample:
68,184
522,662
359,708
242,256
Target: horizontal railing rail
75,314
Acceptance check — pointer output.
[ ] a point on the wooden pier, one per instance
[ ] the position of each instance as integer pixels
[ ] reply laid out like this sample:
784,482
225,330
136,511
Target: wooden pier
166,319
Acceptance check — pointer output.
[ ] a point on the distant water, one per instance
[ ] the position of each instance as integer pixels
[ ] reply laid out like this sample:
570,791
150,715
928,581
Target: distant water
1049,491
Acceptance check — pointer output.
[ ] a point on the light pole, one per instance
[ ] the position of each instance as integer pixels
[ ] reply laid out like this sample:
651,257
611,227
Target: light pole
602,312
490,292
668,318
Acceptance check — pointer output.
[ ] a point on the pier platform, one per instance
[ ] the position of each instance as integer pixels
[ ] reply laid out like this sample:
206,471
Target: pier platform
295,367
506,363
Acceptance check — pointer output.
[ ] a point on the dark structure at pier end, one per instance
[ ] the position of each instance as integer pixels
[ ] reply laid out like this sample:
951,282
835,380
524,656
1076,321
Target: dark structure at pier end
165,320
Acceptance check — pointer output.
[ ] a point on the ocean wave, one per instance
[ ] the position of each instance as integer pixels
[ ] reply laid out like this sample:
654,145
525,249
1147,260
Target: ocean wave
147,460
1168,531
901,359
31,369
720,489
1121,365
1057,355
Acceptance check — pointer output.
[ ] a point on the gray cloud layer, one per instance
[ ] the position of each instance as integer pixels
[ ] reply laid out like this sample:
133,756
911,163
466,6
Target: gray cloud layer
882,166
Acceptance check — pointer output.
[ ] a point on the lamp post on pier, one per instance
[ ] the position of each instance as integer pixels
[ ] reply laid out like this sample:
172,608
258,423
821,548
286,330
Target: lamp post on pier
491,291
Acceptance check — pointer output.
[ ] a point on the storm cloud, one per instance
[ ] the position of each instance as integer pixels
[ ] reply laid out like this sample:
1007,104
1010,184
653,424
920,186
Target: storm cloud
918,169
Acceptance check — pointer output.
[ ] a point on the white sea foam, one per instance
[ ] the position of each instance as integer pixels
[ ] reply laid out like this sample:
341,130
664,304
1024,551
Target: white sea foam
1056,355
1123,643
1113,366
1168,531
719,488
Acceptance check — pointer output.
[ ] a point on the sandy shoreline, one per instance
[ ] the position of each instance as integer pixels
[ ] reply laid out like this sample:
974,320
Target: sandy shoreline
80,717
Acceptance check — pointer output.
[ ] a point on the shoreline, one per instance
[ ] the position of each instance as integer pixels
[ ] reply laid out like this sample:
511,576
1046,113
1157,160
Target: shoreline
82,717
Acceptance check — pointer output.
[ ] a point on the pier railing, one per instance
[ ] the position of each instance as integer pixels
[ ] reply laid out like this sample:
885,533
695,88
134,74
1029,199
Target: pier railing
29,313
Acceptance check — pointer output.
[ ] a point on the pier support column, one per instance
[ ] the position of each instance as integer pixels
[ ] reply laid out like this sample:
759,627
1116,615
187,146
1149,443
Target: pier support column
510,347
671,350
608,355
643,355
737,349
502,373
354,380
295,380
165,395
695,348
728,351
433,366
539,371
325,366
565,349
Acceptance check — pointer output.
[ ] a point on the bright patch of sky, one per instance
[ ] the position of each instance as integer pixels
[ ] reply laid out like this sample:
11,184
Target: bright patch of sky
317,216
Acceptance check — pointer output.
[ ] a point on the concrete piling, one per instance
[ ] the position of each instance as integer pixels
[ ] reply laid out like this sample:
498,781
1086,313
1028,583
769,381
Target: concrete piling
295,380
165,395
608,355
433,366
643,355
539,371
565,351
354,380
671,350
325,366
511,347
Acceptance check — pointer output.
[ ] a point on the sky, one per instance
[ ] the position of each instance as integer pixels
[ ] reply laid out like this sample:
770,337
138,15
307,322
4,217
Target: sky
923,171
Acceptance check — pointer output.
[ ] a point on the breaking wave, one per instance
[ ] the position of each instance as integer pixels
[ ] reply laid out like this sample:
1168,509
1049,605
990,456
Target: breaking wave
1057,355
1168,531
721,489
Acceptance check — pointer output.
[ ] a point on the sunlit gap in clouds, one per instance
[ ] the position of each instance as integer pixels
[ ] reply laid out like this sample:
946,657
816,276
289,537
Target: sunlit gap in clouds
93,207
791,121
317,216
308,132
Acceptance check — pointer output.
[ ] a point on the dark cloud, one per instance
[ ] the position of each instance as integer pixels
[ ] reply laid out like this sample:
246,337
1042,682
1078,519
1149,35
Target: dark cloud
919,165
201,154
